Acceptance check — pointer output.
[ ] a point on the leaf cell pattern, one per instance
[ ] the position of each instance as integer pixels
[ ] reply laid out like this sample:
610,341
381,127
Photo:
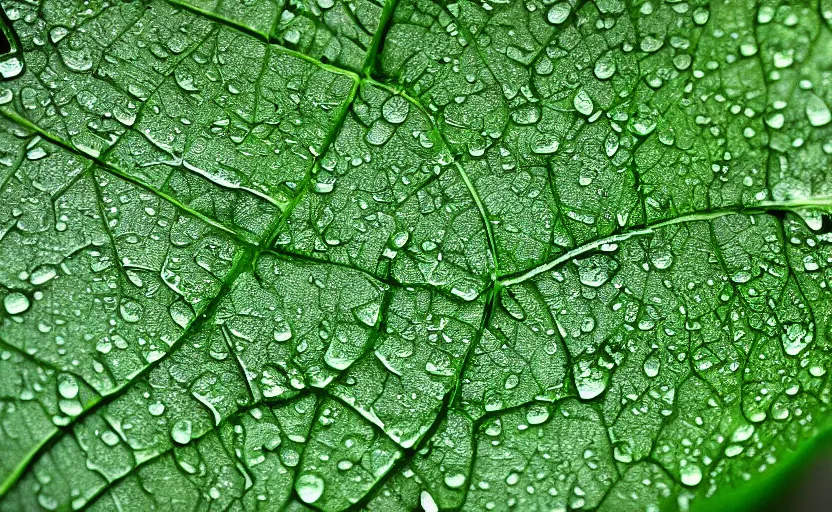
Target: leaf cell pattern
401,254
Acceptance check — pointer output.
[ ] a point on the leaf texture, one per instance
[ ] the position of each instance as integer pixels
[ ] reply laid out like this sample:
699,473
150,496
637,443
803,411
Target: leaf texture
401,254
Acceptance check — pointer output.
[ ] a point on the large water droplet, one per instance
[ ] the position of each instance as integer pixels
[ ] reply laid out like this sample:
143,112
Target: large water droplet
16,303
181,432
605,66
427,502
817,111
131,311
11,67
558,13
395,110
455,480
466,293
282,332
537,414
583,103
41,275
690,474
67,387
368,314
310,487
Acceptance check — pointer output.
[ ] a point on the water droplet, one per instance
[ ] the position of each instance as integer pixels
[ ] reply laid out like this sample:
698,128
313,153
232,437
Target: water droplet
181,314
41,275
58,33
400,239
605,66
395,110
131,311
466,293
109,437
427,502
743,433
36,153
283,332
583,103
67,387
379,133
16,303
70,407
309,487
455,480
701,15
795,339
661,259
545,145
537,414
817,111
526,115
642,126
368,314
690,474
650,44
11,67
595,270
181,432
324,187
765,15
558,13
589,388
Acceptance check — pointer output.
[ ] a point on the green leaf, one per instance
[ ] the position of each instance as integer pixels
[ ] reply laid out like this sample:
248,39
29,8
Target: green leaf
383,255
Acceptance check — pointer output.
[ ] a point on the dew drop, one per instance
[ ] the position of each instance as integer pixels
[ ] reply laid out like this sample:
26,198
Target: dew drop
605,67
309,487
16,303
466,293
131,311
817,111
395,110
181,432
690,475
68,387
558,13
41,275
651,367
427,502
537,414
455,480
583,103
282,332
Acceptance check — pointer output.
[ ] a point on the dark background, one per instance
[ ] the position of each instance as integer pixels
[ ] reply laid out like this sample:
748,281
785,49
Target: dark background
808,489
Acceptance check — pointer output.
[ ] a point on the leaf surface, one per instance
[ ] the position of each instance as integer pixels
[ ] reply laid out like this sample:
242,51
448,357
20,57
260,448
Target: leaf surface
353,254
